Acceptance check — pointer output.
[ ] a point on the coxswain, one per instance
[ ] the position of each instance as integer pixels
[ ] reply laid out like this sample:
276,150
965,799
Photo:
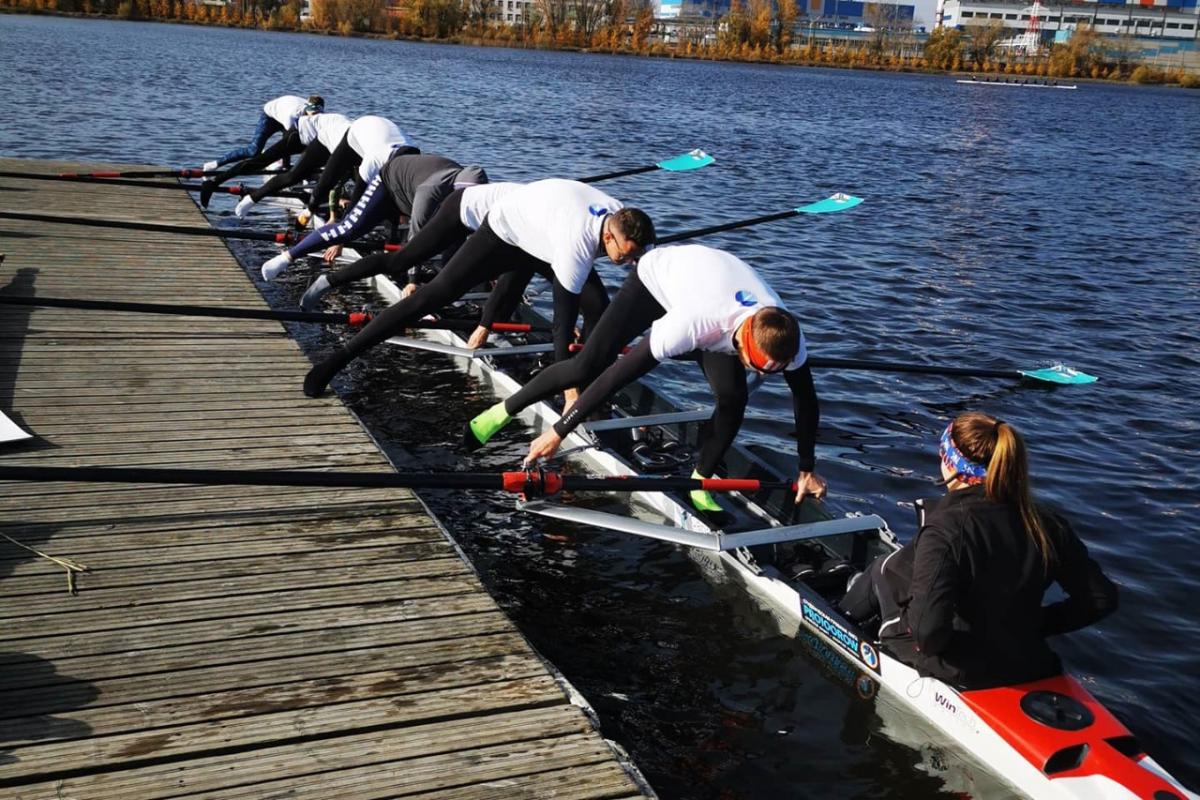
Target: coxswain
566,225
458,217
698,302
278,116
962,602
410,184
320,134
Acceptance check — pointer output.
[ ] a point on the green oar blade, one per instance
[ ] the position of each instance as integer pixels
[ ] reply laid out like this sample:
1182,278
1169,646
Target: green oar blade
688,161
1060,373
837,202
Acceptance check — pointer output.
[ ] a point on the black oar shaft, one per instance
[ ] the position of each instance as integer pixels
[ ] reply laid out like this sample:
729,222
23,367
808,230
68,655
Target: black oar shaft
144,184
156,227
216,477
619,174
180,310
728,226
532,482
919,369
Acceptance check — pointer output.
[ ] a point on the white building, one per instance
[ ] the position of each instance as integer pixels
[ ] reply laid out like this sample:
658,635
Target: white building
1163,21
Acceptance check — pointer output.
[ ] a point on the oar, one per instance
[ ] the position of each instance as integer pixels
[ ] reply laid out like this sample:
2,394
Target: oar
191,187
529,482
1059,373
187,230
356,318
89,176
161,173
830,205
685,162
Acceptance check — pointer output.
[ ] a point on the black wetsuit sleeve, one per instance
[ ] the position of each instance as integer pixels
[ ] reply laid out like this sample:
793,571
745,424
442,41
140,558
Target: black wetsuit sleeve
807,411
933,590
622,372
1091,596
566,313
505,297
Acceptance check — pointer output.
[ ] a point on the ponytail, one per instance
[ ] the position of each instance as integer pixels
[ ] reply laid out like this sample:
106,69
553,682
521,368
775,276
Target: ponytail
987,440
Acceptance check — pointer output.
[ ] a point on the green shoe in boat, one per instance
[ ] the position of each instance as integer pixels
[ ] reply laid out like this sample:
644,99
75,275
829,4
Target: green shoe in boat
485,426
702,499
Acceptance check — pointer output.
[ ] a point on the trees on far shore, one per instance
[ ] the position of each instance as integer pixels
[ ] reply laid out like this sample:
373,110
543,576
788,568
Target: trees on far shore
752,30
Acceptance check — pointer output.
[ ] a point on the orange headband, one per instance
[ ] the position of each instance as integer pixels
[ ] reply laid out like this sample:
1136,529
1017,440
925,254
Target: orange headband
755,354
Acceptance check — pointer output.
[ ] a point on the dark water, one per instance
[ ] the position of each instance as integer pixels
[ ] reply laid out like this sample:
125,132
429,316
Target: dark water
1002,228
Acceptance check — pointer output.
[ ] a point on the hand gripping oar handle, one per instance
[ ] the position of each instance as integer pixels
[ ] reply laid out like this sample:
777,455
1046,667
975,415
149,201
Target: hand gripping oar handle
531,483
155,227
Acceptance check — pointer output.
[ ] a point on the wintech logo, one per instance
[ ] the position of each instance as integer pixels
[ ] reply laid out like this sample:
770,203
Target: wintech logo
746,298
945,702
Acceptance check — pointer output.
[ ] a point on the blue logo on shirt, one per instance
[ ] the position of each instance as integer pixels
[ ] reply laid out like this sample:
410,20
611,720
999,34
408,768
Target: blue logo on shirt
746,298
597,211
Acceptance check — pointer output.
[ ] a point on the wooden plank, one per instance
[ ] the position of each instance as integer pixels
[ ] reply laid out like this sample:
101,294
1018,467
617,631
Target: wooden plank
309,759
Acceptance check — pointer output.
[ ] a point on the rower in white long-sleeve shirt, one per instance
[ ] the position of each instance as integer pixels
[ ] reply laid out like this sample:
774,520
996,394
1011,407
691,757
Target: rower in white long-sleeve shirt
366,145
278,116
320,134
557,226
696,301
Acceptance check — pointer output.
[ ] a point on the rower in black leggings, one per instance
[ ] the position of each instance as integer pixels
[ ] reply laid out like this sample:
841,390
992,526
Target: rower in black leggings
564,225
409,184
698,303
456,218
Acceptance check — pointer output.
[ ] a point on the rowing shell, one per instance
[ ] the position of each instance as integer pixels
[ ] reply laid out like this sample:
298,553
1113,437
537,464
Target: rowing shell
1017,83
1048,739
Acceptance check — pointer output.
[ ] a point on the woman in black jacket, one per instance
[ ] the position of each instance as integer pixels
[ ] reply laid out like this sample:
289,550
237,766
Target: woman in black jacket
962,602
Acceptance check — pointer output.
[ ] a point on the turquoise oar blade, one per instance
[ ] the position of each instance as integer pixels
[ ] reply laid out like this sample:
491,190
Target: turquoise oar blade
837,202
688,161
1060,373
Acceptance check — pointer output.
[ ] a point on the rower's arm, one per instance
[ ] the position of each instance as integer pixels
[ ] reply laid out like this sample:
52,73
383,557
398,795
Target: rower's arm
621,373
566,313
505,297
934,588
807,411
1091,596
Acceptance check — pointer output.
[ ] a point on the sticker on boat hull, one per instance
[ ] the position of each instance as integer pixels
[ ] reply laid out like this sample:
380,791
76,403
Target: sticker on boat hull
863,651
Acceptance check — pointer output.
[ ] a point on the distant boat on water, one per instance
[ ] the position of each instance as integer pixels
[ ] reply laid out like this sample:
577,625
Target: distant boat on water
1032,83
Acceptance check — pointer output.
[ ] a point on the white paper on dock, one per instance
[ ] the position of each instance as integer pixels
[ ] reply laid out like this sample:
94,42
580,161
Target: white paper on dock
9,432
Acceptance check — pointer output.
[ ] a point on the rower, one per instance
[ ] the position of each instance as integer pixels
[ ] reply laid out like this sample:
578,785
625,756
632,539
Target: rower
696,301
409,184
962,602
367,144
320,134
460,215
278,116
565,225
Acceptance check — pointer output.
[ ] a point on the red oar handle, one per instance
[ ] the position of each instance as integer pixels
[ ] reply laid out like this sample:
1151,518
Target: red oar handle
512,327
737,484
359,318
392,248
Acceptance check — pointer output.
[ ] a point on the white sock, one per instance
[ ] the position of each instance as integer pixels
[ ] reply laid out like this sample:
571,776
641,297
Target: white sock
210,166
243,206
272,269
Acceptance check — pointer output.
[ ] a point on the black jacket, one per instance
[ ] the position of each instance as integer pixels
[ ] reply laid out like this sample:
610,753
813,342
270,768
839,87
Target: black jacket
971,584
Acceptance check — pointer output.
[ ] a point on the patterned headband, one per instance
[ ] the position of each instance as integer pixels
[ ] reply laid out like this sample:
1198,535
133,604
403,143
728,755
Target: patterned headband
967,470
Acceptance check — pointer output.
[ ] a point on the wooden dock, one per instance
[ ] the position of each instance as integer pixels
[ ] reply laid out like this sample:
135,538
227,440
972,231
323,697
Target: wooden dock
231,642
